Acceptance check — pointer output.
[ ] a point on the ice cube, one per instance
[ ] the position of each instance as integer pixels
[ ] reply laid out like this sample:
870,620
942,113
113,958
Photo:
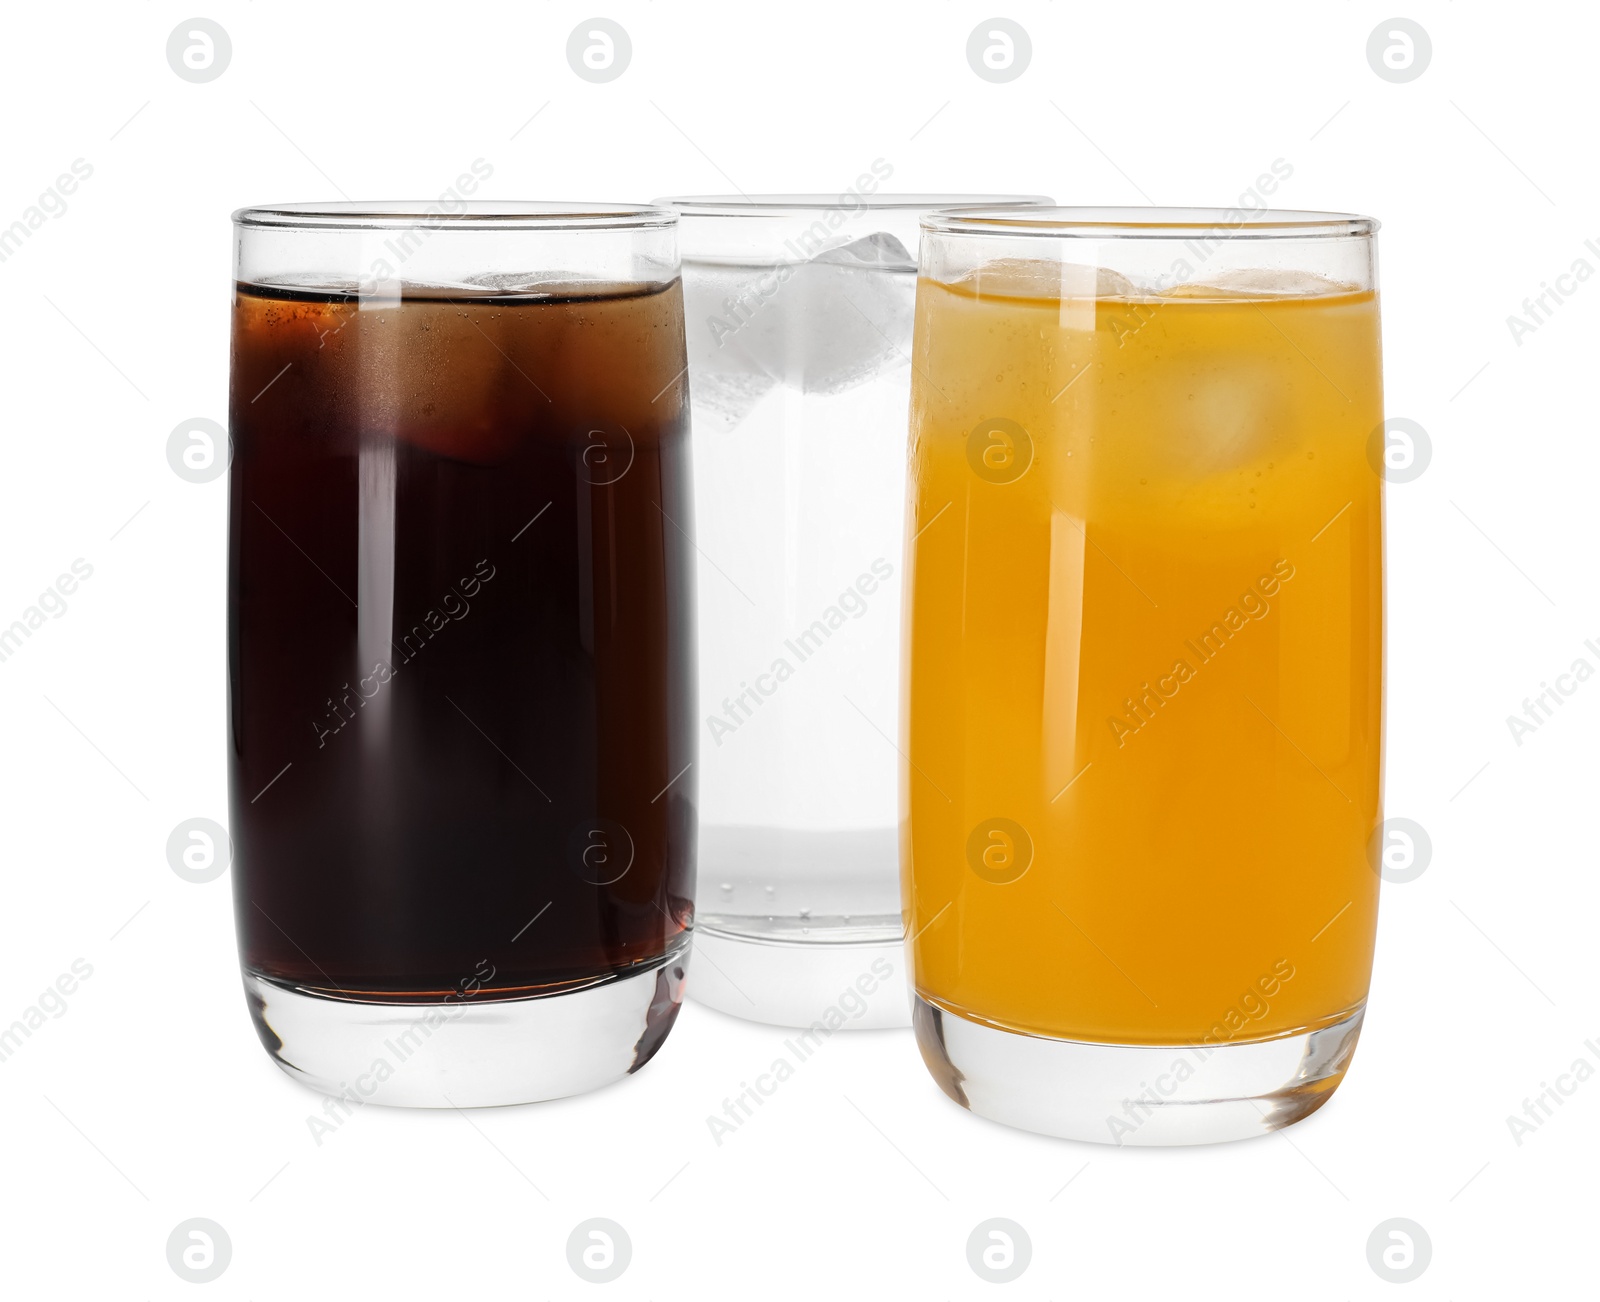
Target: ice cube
879,249
1259,282
548,284
472,285
838,319
725,382
720,400
1228,420
1047,279
1108,283
822,325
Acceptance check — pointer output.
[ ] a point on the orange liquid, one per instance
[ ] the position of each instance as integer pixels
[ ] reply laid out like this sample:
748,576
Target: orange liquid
1143,662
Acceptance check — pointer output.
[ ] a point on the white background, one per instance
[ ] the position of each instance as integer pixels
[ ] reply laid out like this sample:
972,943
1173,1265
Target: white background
150,1101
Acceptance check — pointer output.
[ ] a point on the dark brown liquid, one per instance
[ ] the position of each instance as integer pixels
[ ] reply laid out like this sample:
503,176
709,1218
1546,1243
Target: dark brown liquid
460,640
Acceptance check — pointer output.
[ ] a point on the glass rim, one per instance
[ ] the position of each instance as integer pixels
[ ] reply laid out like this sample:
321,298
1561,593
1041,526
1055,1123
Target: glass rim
781,205
1151,223
465,214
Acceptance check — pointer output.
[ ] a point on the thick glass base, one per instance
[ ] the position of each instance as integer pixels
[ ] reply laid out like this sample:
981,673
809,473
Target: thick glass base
797,927
1134,1094
470,1052
854,984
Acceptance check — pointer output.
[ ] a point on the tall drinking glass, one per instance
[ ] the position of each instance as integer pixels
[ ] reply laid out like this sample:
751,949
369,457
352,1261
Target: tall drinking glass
460,645
1144,636
798,310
